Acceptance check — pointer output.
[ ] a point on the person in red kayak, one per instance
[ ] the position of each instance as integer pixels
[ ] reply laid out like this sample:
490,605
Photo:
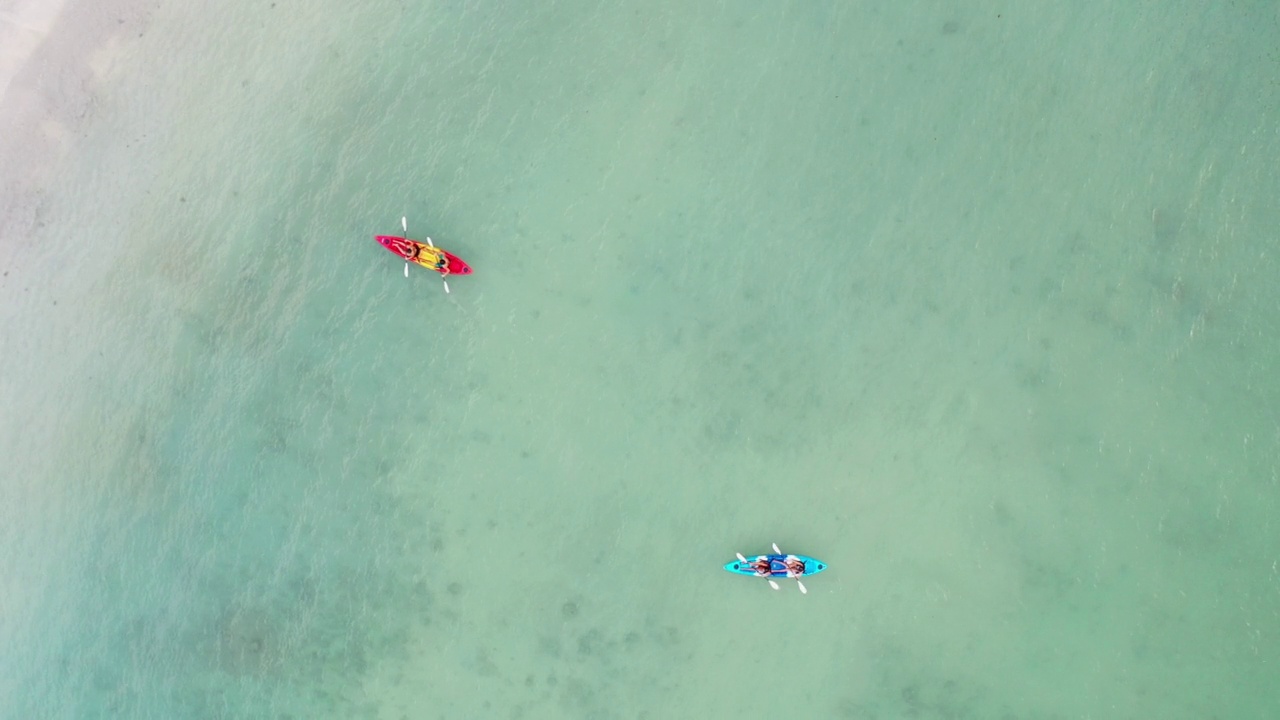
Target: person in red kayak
413,252
410,250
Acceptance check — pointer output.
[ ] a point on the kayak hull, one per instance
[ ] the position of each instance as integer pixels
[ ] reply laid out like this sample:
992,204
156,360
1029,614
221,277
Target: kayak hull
812,566
428,256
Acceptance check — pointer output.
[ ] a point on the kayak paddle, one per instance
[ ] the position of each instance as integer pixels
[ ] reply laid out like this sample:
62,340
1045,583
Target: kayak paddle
803,589
743,560
404,223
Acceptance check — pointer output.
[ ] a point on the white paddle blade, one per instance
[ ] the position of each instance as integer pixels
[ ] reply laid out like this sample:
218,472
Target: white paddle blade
429,243
774,585
803,589
404,225
406,269
742,559
446,286
775,549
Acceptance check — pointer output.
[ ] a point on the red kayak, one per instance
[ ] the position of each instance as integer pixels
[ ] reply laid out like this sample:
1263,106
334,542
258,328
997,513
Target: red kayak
428,256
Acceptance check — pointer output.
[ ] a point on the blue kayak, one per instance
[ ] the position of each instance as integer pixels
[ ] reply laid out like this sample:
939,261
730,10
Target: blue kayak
754,566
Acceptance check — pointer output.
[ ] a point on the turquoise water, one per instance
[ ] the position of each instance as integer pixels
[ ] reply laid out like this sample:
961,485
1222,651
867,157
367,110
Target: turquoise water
977,305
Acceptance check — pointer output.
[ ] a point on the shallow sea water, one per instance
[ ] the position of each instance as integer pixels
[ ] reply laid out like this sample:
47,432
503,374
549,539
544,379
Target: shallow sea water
977,305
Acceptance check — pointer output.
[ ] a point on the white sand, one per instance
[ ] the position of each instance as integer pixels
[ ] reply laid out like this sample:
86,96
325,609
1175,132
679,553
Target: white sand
24,24
57,58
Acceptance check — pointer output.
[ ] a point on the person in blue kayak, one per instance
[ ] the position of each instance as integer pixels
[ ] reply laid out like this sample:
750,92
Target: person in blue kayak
794,565
762,566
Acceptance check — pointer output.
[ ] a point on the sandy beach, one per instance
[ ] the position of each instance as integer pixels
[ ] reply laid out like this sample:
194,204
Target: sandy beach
55,60
40,41
24,25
